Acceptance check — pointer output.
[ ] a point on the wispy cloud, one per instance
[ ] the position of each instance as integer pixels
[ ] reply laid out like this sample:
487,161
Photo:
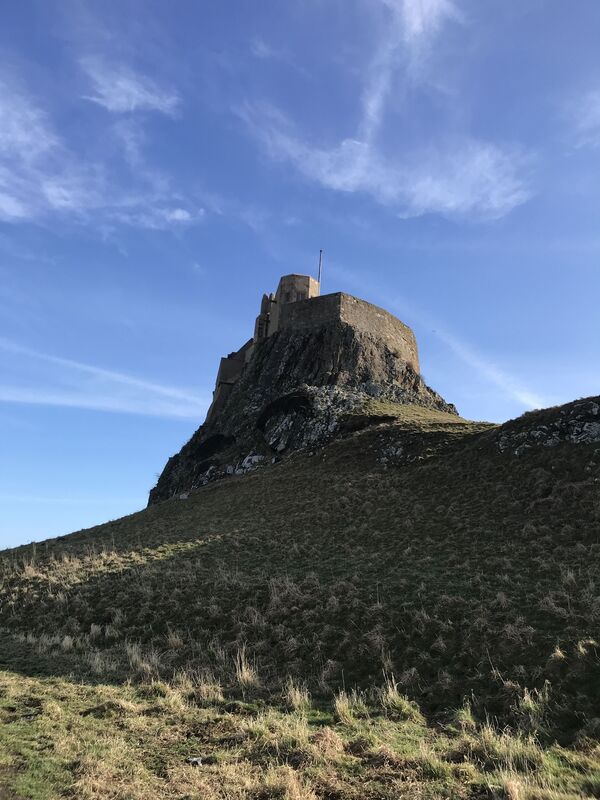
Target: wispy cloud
584,115
462,177
46,379
10,207
120,90
131,139
41,176
411,26
25,130
156,217
26,138
423,18
455,175
491,372
263,51
260,49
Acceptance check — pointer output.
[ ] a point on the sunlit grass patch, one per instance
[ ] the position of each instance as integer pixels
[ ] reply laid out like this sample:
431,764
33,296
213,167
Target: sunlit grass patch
59,738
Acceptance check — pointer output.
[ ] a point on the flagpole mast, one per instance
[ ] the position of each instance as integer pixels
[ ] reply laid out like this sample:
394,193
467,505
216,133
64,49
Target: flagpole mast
320,268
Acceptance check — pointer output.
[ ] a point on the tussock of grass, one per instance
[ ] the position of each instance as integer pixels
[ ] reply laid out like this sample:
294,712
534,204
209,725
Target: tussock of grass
245,672
396,705
297,696
350,707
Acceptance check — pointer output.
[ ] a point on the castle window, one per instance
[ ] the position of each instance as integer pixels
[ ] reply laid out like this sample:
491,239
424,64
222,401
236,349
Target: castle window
287,297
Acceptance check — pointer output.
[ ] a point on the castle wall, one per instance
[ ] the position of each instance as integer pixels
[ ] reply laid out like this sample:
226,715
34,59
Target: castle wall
358,313
230,369
291,289
310,313
368,317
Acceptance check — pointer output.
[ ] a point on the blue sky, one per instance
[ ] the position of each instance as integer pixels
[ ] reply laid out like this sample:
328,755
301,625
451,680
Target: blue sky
161,165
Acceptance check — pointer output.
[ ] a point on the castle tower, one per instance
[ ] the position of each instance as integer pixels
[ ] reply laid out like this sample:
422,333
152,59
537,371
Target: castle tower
291,289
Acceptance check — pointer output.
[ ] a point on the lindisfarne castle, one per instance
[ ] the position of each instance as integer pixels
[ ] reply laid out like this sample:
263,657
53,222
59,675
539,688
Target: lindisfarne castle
298,305
312,361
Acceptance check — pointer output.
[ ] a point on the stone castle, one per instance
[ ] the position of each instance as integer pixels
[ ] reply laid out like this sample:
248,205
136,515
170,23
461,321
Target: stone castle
308,374
298,305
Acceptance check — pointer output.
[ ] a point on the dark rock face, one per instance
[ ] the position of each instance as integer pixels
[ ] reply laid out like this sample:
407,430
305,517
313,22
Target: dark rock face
293,393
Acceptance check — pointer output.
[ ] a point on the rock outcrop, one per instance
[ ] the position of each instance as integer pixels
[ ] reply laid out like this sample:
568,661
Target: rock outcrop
295,392
576,423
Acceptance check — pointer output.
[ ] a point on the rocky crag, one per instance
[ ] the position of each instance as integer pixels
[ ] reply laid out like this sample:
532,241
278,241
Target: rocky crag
302,386
577,423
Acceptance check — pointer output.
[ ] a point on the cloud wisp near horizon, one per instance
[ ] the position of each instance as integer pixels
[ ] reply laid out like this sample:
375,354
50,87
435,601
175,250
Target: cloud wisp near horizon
477,361
104,390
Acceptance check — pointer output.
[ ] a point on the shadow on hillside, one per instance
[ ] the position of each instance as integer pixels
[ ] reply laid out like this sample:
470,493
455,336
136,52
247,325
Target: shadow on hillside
208,511
458,575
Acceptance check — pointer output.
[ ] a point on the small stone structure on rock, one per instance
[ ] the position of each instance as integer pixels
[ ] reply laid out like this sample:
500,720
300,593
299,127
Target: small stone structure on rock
291,289
312,359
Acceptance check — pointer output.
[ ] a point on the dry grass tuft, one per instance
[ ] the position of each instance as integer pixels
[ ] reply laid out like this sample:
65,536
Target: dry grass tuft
296,696
396,705
246,673
350,707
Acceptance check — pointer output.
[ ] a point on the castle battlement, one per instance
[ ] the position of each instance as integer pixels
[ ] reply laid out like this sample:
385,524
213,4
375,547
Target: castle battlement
292,289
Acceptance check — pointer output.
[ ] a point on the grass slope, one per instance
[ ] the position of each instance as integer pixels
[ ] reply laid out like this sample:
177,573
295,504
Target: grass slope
59,738
463,579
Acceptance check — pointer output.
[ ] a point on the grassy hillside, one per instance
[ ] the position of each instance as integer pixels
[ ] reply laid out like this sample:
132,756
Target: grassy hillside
361,621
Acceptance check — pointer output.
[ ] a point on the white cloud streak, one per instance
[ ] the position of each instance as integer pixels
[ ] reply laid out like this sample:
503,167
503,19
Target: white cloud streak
263,51
481,364
457,176
422,18
488,370
585,116
120,90
40,176
75,384
24,130
464,178
97,401
412,26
